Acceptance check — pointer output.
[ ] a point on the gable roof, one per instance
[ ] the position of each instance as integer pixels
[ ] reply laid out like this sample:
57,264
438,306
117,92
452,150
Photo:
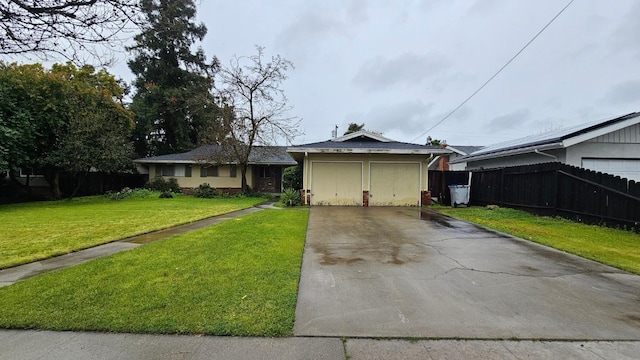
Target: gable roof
260,155
464,149
558,139
365,142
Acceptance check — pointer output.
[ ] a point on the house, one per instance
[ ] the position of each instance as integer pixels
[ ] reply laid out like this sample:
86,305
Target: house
609,146
365,169
199,166
443,162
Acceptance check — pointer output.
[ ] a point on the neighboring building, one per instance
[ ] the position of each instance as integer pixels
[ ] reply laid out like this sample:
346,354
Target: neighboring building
365,169
201,165
610,146
443,162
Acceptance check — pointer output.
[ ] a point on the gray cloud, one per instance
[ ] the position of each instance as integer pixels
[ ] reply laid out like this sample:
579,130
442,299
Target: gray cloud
625,37
408,68
509,121
624,93
403,117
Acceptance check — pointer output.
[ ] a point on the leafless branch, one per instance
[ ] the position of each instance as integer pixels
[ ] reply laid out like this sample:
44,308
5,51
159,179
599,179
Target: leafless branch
75,30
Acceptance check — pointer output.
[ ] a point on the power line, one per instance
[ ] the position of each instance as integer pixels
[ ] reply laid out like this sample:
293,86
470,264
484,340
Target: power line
497,72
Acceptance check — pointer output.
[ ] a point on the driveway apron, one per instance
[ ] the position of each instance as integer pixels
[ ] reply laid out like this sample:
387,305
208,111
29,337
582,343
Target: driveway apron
403,272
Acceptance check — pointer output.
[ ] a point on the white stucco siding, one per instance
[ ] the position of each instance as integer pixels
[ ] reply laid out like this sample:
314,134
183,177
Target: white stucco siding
223,180
394,184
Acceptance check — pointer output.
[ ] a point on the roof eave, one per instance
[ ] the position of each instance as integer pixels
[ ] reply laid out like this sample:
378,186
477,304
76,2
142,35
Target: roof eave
499,154
368,151
145,161
582,137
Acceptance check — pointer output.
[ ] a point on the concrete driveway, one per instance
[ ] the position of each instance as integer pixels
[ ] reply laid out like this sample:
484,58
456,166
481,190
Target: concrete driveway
397,272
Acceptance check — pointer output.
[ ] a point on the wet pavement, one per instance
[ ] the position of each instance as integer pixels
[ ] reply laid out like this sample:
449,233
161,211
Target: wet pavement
10,275
399,272
396,283
50,345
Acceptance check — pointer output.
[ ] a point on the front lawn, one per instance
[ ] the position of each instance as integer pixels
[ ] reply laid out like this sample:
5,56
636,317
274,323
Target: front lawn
613,247
36,231
239,277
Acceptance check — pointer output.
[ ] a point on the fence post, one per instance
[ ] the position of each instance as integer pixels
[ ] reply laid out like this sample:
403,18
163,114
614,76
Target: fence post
500,201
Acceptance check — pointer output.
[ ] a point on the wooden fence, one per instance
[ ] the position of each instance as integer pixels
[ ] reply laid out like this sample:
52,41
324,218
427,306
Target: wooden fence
554,189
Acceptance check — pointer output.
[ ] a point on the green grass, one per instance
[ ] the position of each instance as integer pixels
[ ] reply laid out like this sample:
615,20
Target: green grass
239,277
36,231
609,246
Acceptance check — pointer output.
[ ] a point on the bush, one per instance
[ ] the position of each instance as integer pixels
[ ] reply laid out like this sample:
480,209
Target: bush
166,195
204,191
292,177
290,197
128,193
162,185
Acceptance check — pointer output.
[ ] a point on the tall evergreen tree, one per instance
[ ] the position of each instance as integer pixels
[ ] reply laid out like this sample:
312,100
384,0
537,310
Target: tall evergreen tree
173,84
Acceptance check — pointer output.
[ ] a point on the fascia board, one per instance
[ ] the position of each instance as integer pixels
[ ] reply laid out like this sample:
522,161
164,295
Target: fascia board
142,161
369,151
512,152
599,132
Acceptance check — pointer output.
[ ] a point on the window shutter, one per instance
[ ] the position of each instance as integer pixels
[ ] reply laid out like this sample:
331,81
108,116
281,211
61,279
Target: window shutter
187,171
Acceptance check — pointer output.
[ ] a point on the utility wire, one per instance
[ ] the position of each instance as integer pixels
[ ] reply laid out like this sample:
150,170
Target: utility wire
496,74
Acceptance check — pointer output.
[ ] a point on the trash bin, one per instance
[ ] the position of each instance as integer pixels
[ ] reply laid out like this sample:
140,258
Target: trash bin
459,195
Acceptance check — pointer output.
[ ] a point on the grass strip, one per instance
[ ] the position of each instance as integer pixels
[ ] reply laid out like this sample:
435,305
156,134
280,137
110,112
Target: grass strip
617,248
36,231
239,277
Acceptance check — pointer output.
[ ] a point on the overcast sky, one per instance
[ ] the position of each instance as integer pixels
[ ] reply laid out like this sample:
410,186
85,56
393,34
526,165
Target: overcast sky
400,66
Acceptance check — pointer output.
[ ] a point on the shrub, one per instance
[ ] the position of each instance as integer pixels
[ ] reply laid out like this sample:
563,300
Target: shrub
204,191
290,197
292,177
127,193
166,195
162,185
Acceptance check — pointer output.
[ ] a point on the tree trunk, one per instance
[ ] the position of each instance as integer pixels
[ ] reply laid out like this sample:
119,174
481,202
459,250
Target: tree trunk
53,178
26,188
81,178
243,172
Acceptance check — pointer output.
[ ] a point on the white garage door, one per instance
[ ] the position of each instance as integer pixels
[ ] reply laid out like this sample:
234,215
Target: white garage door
625,168
394,184
336,183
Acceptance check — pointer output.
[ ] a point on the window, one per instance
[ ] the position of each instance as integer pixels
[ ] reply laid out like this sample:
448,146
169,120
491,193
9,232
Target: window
208,171
31,172
233,171
167,170
173,170
263,172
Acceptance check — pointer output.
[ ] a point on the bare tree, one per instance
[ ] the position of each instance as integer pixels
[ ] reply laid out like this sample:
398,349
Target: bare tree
254,107
71,29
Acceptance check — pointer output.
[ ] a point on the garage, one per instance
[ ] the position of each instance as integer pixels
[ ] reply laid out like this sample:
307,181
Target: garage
336,183
394,184
365,169
625,168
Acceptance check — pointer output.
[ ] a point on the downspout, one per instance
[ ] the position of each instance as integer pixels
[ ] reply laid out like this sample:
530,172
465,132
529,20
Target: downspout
305,184
545,154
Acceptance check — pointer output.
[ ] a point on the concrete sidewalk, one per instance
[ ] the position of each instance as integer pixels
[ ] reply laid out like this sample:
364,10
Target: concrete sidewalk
10,275
31,345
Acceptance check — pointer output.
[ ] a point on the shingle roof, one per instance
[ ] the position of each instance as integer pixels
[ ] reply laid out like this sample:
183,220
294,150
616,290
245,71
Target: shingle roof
364,141
549,138
364,145
260,155
465,149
